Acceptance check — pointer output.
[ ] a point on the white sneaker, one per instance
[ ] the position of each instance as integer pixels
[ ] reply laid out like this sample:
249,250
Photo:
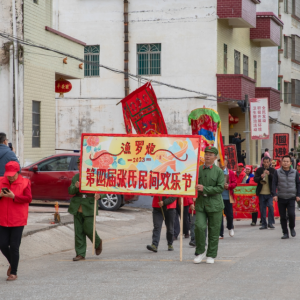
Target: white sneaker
231,232
210,260
199,258
298,208
221,238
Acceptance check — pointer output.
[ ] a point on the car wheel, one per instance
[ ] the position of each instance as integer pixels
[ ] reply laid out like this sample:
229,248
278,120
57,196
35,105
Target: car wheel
110,202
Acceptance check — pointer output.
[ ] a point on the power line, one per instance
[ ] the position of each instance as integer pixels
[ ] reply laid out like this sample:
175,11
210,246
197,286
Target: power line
31,44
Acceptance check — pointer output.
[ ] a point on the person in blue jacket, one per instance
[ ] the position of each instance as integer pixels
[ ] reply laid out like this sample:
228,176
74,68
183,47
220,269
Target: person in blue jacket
249,173
6,154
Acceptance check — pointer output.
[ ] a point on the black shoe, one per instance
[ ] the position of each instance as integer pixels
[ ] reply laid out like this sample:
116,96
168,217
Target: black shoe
285,236
293,232
253,224
192,243
260,221
263,227
271,226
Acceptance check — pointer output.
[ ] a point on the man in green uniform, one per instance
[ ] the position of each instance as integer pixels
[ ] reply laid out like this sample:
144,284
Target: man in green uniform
209,207
82,207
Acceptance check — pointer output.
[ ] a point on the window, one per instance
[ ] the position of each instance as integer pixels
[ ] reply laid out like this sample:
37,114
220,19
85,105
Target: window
286,10
237,62
149,59
36,124
296,91
36,1
296,48
92,59
255,72
296,8
245,65
225,59
287,92
280,86
285,47
60,163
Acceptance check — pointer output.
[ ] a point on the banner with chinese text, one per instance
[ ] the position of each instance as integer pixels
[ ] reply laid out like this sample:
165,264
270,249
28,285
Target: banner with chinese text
141,109
246,200
139,164
231,155
259,117
280,145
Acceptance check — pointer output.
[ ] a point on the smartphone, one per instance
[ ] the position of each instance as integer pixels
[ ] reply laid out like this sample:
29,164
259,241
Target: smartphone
10,146
5,190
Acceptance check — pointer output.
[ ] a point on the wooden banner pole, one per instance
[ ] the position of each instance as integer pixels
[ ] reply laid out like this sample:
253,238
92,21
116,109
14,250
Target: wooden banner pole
181,226
94,227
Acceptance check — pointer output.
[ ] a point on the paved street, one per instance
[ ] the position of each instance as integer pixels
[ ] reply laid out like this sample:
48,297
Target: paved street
253,265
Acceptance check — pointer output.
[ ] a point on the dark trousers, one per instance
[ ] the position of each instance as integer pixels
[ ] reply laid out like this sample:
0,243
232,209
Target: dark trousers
254,217
158,221
239,157
283,206
10,241
264,202
228,211
186,223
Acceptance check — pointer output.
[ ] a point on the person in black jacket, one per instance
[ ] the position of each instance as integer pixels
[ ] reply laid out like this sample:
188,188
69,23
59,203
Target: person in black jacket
237,141
264,179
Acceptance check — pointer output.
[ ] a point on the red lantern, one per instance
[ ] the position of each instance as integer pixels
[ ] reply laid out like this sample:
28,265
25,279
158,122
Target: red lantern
62,86
297,128
232,120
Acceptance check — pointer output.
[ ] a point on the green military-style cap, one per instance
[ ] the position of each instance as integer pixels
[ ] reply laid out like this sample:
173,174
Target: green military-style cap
211,149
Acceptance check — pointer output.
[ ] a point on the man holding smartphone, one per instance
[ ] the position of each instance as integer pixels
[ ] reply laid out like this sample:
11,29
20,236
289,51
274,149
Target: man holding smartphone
6,153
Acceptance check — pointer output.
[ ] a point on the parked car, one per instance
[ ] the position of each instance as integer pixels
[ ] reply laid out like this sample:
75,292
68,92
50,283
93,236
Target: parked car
51,176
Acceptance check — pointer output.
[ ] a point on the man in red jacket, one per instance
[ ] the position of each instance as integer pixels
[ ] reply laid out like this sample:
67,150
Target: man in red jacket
229,185
163,208
240,174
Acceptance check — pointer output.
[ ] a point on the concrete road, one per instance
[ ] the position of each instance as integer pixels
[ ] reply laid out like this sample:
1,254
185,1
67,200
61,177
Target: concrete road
253,264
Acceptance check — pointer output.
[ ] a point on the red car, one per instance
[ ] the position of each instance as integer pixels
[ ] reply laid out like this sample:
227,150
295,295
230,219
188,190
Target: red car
50,178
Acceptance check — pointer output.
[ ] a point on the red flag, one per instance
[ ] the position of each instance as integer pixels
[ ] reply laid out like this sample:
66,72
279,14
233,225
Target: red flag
141,109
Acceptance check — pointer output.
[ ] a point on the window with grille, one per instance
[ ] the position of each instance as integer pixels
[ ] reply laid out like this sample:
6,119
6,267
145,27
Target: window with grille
285,47
296,8
36,124
149,59
295,91
295,48
245,65
92,60
225,59
237,62
287,92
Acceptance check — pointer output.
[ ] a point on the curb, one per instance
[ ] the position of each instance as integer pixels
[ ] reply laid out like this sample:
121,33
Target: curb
47,228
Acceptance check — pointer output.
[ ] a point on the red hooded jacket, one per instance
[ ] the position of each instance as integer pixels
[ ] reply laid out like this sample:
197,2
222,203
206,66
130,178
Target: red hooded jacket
14,212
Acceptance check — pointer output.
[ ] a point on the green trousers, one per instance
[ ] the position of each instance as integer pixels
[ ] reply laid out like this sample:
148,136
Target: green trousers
214,225
84,227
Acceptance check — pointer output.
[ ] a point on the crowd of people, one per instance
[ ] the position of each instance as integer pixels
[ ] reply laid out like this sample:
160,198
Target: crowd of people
203,220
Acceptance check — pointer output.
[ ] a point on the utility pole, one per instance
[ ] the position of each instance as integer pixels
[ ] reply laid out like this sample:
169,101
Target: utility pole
247,130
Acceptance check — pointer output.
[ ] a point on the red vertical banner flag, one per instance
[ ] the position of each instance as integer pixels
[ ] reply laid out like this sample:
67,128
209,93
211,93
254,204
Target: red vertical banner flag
141,109
259,117
280,145
231,155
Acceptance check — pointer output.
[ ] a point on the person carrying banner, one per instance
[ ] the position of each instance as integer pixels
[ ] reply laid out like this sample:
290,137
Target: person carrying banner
82,208
209,206
285,190
240,174
264,178
164,208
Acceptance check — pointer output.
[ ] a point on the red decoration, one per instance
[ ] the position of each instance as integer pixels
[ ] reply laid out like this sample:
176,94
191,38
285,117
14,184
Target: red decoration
296,128
141,109
280,145
62,86
231,155
232,120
